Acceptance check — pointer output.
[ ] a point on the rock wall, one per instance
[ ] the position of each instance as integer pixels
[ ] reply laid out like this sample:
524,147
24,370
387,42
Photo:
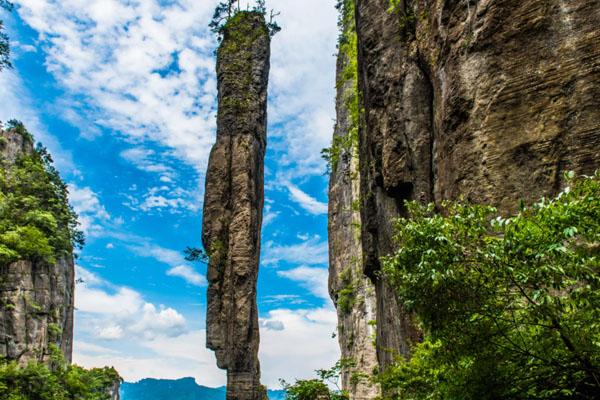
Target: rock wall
492,100
36,299
234,201
351,291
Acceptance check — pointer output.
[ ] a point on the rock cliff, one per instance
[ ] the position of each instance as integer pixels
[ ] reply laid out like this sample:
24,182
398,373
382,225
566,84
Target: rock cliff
36,297
351,291
234,201
489,100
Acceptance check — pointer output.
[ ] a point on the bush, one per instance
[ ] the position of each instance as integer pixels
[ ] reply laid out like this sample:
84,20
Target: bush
509,306
36,221
317,389
37,381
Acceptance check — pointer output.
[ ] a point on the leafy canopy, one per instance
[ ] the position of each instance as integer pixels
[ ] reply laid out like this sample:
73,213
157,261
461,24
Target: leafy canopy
510,307
61,381
36,221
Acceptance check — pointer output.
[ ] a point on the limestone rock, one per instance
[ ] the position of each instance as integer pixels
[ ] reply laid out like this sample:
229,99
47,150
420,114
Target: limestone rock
234,201
351,291
491,100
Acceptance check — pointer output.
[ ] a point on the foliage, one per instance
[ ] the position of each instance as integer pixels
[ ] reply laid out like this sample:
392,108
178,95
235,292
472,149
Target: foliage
226,10
4,42
37,381
346,144
195,254
319,388
36,221
510,307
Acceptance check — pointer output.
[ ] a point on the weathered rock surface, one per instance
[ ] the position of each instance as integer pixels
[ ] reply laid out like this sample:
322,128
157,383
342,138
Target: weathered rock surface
351,291
491,100
234,201
36,299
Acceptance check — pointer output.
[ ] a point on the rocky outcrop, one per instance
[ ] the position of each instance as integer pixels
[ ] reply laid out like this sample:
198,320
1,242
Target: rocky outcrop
36,298
491,100
234,201
351,291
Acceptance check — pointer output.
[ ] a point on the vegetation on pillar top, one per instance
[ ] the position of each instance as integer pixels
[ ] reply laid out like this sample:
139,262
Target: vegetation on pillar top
229,14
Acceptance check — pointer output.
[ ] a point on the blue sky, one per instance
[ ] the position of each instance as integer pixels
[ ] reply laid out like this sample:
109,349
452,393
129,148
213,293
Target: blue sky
123,94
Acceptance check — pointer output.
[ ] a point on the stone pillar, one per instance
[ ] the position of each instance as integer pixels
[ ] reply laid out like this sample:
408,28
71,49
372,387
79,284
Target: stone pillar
233,203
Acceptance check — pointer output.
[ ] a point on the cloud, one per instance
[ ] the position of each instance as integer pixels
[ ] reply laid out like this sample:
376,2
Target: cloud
312,251
307,202
163,358
162,254
16,104
188,274
313,279
91,212
302,346
113,312
144,69
168,197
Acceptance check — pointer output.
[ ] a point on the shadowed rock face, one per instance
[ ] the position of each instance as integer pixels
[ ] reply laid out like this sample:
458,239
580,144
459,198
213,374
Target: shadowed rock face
233,203
36,299
492,100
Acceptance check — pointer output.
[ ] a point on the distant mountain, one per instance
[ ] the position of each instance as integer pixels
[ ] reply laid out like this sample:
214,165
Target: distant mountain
180,389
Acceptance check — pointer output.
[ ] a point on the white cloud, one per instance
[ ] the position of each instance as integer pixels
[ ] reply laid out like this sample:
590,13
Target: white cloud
114,312
313,279
302,346
92,214
188,274
165,198
162,254
16,104
113,56
306,201
312,251
163,357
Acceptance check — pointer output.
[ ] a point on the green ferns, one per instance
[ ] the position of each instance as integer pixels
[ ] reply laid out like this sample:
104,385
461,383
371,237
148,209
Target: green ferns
510,307
36,221
61,381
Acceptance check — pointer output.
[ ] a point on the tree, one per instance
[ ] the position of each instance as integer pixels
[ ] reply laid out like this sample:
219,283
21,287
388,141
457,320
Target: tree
509,306
319,388
225,10
4,42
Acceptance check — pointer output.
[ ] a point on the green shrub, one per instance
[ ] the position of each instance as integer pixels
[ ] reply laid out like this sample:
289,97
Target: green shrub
37,381
319,388
36,221
509,306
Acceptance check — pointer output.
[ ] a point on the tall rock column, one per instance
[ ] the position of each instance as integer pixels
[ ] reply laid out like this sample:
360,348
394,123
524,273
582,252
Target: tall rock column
233,203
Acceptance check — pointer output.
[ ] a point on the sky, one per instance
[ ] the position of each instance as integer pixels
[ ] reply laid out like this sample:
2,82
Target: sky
123,93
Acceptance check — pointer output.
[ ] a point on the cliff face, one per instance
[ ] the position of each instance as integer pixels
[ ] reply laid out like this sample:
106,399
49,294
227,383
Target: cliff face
36,298
351,291
234,201
490,100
